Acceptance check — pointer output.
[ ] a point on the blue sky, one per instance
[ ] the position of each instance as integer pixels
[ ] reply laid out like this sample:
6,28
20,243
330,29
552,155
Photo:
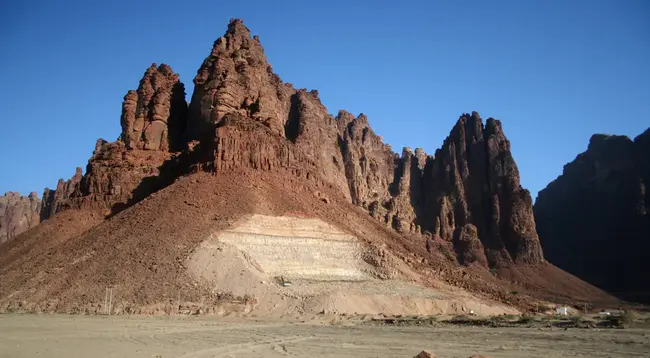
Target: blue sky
554,72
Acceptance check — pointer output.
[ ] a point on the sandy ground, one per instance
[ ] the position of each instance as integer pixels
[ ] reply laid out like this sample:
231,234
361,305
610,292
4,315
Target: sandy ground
326,268
194,337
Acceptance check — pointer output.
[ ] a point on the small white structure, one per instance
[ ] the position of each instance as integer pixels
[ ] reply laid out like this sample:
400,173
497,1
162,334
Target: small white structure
564,311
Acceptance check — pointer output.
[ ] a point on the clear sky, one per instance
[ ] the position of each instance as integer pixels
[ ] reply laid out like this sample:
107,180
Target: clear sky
554,72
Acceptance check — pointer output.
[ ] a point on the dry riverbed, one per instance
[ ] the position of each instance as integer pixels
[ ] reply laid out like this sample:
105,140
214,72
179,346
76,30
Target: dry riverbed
61,336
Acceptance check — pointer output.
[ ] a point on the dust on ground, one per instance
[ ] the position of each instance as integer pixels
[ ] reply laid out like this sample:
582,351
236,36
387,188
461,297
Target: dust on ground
195,337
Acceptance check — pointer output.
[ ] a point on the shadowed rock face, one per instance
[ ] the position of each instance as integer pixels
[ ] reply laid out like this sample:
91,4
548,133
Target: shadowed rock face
473,180
594,219
243,116
18,214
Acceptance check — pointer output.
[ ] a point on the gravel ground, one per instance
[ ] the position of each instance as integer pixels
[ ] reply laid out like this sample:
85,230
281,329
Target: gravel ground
165,337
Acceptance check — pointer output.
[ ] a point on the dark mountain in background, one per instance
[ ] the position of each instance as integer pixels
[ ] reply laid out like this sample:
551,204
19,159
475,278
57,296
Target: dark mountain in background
594,219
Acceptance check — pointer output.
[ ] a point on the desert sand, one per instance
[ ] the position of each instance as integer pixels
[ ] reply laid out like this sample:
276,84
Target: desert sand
318,336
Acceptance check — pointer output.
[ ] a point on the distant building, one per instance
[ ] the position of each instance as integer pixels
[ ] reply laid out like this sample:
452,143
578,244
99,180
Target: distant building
564,311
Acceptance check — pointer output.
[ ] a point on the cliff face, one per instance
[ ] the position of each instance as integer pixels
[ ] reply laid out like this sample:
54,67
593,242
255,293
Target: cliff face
473,196
243,116
154,116
18,214
122,172
594,219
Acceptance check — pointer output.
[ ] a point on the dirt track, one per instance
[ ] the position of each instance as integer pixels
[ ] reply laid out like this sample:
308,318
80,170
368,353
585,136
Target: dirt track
190,337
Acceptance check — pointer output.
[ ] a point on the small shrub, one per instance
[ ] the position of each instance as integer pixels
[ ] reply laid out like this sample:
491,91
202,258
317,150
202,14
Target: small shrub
628,317
526,319
575,319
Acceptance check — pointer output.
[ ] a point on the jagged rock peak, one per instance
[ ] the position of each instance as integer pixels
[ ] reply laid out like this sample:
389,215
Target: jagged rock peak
474,180
236,27
154,116
236,79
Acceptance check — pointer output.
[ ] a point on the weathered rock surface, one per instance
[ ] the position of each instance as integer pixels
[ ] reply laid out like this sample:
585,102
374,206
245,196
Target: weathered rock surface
473,179
18,214
125,171
369,164
236,79
154,116
594,219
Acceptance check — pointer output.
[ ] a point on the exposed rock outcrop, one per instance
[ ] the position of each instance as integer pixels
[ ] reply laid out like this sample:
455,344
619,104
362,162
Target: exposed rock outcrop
125,171
154,116
473,179
18,214
594,219
236,79
369,164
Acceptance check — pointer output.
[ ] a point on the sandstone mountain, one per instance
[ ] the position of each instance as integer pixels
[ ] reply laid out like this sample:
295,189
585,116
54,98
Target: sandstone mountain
594,219
243,115
250,143
18,214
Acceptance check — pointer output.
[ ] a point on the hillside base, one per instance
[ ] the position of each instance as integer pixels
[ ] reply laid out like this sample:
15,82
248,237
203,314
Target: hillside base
287,265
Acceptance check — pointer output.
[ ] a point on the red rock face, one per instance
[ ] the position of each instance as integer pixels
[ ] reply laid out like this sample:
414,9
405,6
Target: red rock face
18,214
243,116
469,194
154,116
123,172
236,79
473,198
594,219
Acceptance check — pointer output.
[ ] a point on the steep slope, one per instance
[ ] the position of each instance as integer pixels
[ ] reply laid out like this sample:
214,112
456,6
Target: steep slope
594,219
251,144
18,214
144,252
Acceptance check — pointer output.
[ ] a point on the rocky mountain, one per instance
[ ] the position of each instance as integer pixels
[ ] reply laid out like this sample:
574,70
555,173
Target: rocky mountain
242,115
249,143
18,214
594,219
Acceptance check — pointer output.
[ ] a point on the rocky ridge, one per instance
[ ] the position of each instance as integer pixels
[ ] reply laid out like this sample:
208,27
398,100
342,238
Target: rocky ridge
18,214
243,116
594,219
125,171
